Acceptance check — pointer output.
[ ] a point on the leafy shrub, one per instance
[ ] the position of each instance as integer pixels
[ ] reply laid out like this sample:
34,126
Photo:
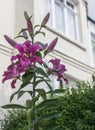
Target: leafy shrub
14,120
75,109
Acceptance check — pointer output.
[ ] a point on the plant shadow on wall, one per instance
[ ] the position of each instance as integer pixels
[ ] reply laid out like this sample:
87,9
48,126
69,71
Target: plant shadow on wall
29,66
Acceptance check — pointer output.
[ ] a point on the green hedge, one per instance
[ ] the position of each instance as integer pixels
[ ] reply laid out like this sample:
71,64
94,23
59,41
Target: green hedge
14,120
76,109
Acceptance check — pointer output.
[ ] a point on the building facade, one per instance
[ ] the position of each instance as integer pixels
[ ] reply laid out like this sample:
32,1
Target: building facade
68,22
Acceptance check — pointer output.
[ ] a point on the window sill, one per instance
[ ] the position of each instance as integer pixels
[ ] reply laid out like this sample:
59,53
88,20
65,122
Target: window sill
76,43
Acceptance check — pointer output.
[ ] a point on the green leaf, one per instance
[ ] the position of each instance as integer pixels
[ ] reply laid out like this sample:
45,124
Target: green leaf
41,80
12,96
39,32
34,99
20,36
27,77
49,116
28,103
57,91
36,26
24,84
46,103
43,33
45,65
40,71
42,93
20,94
11,106
49,86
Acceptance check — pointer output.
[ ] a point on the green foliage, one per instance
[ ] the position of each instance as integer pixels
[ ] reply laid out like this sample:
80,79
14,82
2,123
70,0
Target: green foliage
76,109
73,110
14,120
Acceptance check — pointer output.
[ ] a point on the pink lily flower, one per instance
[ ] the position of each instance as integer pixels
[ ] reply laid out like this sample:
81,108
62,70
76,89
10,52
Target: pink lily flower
58,69
11,73
27,54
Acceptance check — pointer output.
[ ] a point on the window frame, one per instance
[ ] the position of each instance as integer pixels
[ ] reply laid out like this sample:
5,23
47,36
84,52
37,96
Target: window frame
66,8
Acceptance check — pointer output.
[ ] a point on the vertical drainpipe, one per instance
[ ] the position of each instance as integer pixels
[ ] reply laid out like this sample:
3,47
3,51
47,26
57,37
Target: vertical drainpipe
86,6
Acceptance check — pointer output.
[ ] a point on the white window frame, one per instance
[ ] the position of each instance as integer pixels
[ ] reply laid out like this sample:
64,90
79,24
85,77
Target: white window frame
74,11
93,64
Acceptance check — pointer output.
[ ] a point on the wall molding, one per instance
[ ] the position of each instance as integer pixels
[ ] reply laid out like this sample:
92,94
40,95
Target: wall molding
72,61
6,50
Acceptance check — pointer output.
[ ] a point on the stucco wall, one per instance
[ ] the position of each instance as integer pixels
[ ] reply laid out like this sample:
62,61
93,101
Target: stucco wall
6,27
77,53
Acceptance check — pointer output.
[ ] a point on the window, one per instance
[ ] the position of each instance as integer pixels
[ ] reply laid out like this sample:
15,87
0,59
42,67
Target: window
91,9
93,47
63,17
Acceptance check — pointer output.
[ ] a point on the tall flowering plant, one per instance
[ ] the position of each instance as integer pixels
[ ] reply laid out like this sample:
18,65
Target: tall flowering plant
29,66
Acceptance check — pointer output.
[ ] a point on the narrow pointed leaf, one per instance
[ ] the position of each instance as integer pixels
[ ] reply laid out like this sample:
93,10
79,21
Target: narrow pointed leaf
21,93
24,85
45,65
42,93
49,117
49,86
36,26
40,71
13,106
57,91
39,32
12,96
41,80
20,36
47,103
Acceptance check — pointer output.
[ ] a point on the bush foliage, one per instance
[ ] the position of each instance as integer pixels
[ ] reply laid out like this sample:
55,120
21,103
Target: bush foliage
14,120
76,111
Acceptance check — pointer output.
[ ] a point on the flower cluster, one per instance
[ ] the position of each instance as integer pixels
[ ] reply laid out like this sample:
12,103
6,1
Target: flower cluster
28,66
27,57
30,53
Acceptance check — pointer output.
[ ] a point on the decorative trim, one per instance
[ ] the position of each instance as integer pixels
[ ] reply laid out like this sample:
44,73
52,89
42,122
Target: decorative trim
78,44
6,50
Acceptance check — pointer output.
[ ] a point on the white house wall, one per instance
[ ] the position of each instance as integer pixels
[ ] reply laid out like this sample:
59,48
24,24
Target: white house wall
75,55
76,51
